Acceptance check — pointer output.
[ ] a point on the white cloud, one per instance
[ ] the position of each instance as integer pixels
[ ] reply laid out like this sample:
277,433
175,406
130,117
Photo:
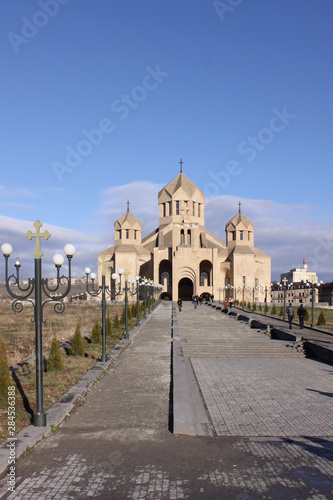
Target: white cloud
287,232
13,231
143,204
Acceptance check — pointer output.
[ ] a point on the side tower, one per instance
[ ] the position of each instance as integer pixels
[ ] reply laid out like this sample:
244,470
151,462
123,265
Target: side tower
127,252
250,268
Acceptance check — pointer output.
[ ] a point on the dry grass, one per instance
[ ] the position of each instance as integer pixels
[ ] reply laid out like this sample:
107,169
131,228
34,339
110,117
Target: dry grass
328,315
18,330
57,383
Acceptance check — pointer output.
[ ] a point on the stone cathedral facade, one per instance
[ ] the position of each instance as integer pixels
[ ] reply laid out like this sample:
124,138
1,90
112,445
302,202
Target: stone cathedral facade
183,256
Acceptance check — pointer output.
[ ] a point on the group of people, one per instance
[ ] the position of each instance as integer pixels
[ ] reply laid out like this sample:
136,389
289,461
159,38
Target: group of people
195,301
300,313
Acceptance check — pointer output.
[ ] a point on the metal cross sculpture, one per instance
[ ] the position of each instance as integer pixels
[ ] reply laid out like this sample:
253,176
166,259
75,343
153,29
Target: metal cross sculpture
38,235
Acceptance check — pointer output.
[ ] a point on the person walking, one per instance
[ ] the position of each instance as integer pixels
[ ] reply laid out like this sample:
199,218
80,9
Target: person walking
195,302
301,313
180,303
290,312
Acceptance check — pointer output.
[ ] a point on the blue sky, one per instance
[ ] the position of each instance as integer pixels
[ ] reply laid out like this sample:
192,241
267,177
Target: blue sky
100,100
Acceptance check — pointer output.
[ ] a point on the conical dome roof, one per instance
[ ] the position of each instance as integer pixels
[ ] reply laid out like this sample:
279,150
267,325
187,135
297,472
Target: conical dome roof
240,220
181,181
130,219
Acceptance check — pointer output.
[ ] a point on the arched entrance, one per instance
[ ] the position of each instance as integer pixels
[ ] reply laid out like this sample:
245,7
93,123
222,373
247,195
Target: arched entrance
185,289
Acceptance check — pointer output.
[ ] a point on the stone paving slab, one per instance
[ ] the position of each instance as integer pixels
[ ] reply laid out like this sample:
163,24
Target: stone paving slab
267,397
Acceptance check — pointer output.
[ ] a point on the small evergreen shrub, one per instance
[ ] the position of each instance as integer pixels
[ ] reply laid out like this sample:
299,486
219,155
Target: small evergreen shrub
129,314
273,311
5,378
321,321
281,312
133,311
108,327
96,334
54,361
260,308
307,316
116,323
254,306
249,306
77,347
122,317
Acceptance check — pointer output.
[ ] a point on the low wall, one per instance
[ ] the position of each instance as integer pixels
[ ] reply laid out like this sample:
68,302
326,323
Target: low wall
319,351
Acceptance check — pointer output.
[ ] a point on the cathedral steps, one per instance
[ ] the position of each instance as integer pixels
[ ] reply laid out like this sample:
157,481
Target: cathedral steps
244,349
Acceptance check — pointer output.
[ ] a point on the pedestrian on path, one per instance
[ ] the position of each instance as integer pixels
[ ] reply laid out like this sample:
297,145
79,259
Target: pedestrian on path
301,313
195,302
180,303
290,312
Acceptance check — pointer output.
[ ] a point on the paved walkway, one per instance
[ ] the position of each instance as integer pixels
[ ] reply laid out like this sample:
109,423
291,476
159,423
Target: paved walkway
117,443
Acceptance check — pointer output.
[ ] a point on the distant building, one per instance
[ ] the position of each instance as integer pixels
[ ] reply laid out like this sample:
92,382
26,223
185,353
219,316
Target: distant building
326,293
297,275
296,293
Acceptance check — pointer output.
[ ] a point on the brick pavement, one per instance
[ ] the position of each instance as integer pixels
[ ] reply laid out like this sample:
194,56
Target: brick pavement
116,445
250,394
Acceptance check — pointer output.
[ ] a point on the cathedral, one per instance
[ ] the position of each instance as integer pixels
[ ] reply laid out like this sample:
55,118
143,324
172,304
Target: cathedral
183,256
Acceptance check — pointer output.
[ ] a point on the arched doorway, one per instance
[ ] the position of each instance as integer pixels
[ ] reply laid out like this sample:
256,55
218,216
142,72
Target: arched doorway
185,289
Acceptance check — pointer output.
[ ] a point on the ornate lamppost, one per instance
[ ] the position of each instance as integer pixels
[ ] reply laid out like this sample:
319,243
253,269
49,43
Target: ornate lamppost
94,291
267,289
128,290
314,286
36,287
284,288
143,284
253,293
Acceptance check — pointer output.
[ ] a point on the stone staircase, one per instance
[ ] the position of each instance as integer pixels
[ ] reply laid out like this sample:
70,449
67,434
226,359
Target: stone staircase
242,349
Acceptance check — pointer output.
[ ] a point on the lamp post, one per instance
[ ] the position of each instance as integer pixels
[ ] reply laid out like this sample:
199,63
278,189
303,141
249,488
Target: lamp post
285,281
313,287
266,294
94,291
38,286
128,290
143,284
253,293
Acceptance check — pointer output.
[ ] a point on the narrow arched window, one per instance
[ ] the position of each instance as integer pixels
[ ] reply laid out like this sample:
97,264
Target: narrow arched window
165,278
189,236
182,237
203,278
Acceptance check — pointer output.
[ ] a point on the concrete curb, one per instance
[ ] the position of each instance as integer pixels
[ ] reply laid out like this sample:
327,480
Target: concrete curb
189,415
30,436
